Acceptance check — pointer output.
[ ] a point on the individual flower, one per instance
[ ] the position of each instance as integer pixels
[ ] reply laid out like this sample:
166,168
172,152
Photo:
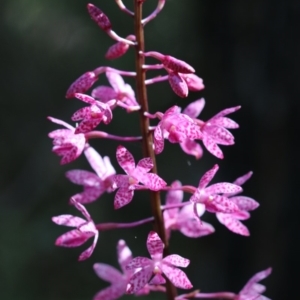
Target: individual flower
245,204
85,229
126,184
92,115
94,185
212,196
176,127
66,143
151,270
184,219
120,91
253,290
110,274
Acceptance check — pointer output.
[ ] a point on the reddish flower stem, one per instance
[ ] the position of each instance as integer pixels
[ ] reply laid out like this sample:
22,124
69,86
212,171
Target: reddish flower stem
147,135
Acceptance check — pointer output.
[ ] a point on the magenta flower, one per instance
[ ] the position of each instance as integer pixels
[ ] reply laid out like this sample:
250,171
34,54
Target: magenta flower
145,268
176,127
184,219
126,184
94,185
85,229
245,204
81,84
92,115
211,196
66,143
118,280
120,91
253,290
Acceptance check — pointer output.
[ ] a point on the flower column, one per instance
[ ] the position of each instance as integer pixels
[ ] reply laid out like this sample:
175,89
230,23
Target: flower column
147,142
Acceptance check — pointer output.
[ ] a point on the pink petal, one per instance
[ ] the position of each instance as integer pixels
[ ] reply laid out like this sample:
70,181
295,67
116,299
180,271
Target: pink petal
96,161
104,93
123,197
221,204
125,159
176,276
124,255
178,85
139,280
99,17
108,273
60,122
157,280
212,147
223,187
245,203
225,122
89,251
174,197
72,238
112,292
68,220
233,224
82,84
241,180
116,81
194,109
153,181
192,148
176,260
120,180
82,177
193,228
155,245
225,112
81,208
208,176
158,140
220,135
89,194
144,165
138,262
177,65
85,98
193,82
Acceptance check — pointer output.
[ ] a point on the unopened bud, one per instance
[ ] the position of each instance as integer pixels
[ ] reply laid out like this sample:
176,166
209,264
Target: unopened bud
99,17
119,49
177,65
178,85
82,84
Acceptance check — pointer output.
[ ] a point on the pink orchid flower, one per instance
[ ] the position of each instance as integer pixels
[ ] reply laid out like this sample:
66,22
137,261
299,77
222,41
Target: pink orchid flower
176,127
184,219
92,115
94,185
85,229
145,268
120,91
126,184
66,143
211,196
253,290
245,204
117,279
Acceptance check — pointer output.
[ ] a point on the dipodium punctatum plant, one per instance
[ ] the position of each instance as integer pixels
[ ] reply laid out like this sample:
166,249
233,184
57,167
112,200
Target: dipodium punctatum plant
161,271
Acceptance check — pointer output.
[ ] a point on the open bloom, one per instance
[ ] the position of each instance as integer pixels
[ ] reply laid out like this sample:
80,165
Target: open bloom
94,185
211,196
245,204
176,127
126,184
146,268
120,91
117,279
85,229
184,219
253,290
66,143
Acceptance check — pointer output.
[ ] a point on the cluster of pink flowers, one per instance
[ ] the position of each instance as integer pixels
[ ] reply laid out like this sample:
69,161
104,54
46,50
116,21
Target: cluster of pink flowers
141,275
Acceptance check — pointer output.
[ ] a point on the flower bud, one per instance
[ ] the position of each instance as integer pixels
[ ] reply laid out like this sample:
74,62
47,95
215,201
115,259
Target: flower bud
193,82
178,85
82,84
99,17
177,65
119,49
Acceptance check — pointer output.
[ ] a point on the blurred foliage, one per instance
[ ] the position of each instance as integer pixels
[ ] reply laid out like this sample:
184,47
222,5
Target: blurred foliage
247,53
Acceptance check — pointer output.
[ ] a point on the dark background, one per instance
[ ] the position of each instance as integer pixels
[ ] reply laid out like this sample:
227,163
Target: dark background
247,54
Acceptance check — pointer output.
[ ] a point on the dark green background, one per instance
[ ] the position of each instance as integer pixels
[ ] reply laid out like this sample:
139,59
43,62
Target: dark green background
247,52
